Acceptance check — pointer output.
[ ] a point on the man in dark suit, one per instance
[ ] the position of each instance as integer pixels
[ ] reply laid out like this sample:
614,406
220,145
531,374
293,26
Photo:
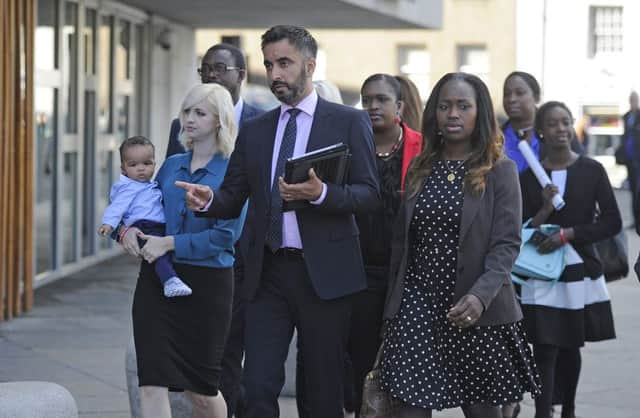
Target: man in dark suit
631,144
304,264
224,64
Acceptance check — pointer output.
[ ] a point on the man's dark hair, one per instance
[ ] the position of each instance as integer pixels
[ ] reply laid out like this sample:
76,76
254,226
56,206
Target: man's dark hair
236,53
133,142
296,35
529,81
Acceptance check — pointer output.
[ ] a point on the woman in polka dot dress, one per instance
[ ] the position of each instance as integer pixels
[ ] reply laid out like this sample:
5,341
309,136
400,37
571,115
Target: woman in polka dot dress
453,334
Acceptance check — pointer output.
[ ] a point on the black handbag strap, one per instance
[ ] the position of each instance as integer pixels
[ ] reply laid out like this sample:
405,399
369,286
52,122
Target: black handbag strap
384,332
376,364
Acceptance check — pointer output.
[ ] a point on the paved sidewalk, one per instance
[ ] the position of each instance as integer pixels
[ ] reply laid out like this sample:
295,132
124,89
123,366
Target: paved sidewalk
76,336
78,331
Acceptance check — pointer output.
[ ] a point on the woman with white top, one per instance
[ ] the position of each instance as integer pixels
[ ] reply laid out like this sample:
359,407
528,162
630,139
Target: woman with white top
560,317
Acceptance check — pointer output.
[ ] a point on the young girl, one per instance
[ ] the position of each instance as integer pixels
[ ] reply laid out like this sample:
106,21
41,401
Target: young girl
560,317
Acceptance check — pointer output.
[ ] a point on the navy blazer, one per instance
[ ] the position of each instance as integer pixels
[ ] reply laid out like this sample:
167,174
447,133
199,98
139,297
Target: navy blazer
328,231
176,147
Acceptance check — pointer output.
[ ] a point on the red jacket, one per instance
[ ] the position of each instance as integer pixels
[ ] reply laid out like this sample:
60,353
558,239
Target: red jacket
412,147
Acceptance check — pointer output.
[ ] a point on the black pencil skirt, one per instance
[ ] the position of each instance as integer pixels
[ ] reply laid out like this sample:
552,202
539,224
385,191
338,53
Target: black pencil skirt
180,341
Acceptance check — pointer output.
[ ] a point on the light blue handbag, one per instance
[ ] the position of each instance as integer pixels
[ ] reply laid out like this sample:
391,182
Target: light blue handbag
532,264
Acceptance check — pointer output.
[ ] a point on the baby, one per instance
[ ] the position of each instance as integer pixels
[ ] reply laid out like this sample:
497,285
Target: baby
137,201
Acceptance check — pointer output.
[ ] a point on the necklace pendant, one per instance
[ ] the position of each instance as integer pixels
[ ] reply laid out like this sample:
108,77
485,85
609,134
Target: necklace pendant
451,177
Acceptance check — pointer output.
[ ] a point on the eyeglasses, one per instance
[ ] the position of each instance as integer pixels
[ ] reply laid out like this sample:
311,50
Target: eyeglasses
217,68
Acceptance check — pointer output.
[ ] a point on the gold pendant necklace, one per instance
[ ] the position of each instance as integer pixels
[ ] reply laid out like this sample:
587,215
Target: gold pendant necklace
452,172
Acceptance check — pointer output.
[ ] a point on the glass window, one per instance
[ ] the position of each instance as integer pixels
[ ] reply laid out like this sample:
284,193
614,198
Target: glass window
105,76
89,175
605,30
45,117
46,35
123,116
89,33
415,63
105,179
140,74
70,59
474,59
69,210
123,50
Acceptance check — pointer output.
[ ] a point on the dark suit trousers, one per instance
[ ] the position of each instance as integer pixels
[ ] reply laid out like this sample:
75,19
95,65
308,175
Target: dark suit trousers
234,350
364,338
632,176
286,299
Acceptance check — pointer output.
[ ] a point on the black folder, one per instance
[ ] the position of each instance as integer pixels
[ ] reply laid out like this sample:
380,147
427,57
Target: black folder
331,165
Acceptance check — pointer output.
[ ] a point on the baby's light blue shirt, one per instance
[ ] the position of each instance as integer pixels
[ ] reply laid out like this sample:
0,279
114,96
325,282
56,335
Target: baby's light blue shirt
132,201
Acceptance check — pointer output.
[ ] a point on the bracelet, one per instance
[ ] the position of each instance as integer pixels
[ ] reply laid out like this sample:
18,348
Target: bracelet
122,234
563,237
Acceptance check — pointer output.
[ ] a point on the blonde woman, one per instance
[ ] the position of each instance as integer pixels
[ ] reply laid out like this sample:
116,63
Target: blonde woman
179,344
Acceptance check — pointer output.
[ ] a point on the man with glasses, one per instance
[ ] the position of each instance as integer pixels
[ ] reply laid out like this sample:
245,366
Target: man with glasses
224,64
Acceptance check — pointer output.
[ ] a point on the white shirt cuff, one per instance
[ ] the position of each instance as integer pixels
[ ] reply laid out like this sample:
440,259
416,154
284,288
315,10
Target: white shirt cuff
319,200
206,207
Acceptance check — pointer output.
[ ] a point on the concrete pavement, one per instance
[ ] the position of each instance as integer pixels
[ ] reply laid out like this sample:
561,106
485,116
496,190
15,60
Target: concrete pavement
77,335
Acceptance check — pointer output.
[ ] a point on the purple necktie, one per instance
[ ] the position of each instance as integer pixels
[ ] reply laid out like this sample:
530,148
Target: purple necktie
274,233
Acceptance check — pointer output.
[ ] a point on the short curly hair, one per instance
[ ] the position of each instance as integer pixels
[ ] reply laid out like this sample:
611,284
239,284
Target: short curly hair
236,53
134,141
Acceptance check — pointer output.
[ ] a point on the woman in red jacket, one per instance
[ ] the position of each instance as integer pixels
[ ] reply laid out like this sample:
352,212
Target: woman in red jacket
396,145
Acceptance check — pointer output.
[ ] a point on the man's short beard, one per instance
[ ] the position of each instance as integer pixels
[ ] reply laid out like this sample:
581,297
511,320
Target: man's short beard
296,90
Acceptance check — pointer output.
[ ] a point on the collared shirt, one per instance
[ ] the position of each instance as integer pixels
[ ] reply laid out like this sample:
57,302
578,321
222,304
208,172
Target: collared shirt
204,242
132,201
304,120
238,108
511,141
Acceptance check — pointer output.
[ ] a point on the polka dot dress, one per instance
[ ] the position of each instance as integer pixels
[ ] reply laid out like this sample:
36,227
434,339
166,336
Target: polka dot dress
427,362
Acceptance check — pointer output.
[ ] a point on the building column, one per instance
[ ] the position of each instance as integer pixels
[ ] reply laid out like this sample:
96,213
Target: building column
16,157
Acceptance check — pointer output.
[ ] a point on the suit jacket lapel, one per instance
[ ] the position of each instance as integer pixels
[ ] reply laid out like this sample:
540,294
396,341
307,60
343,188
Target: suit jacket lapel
243,114
470,207
248,111
320,136
409,206
267,143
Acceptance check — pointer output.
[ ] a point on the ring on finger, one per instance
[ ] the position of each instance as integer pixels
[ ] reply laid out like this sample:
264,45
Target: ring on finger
468,318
